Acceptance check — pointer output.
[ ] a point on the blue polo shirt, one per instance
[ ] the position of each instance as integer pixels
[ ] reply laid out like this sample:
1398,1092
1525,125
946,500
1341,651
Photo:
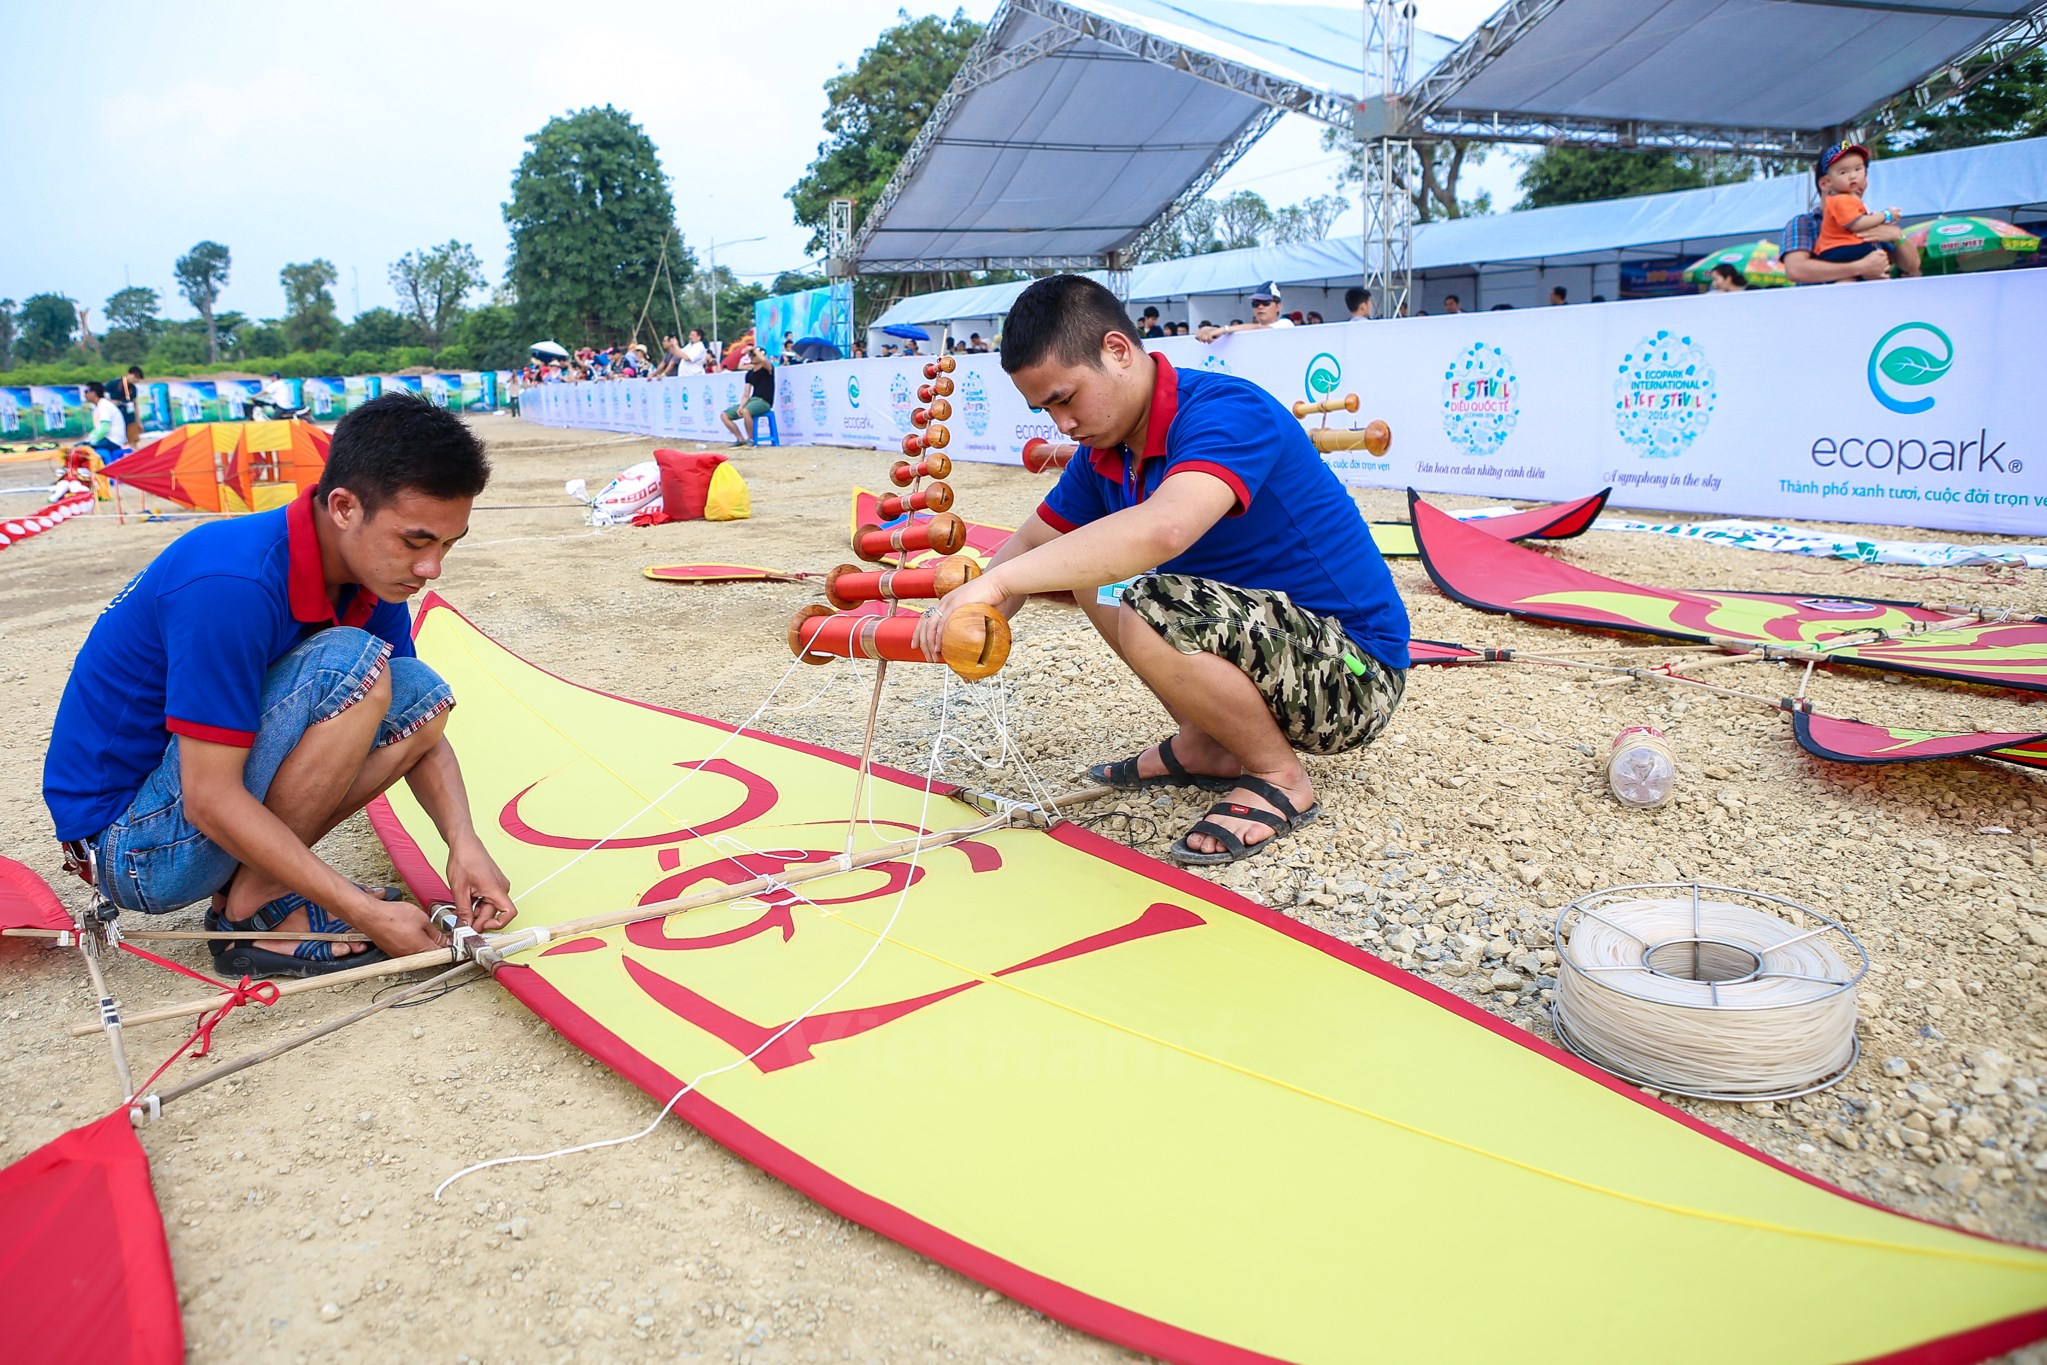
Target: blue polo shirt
182,650
1294,528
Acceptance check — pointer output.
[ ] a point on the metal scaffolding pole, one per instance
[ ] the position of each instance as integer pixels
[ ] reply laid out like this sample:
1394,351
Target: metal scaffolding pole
1388,154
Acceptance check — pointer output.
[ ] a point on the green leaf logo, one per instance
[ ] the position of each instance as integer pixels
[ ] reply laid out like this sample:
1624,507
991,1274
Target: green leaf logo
1923,354
1324,373
1912,365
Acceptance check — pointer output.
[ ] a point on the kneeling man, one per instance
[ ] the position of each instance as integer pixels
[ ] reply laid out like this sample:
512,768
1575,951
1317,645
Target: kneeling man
1213,549
256,685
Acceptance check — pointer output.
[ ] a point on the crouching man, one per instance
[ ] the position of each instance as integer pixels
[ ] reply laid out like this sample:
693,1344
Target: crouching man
255,686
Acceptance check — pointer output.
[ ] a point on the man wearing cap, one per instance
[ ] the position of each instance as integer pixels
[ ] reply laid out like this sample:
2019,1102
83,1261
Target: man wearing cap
1264,313
1799,251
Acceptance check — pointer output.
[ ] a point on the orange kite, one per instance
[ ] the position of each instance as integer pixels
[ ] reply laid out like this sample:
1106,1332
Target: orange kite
228,466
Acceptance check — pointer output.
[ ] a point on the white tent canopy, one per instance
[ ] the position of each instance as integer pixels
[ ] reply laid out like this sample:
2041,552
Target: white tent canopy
1074,125
1999,178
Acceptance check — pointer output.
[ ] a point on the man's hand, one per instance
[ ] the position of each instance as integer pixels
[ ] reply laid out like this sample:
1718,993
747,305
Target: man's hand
984,590
1875,266
483,894
1208,333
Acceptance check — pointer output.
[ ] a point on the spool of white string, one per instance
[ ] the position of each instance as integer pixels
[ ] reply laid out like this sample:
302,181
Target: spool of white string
1708,991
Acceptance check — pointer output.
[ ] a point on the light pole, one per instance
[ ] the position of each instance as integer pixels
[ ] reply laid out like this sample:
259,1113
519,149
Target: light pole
717,347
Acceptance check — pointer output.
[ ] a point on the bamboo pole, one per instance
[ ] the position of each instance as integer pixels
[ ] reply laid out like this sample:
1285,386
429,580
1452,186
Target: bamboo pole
110,1016
499,947
192,935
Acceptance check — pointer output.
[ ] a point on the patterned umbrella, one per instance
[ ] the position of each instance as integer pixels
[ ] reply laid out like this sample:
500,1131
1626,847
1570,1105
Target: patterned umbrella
1757,261
1969,242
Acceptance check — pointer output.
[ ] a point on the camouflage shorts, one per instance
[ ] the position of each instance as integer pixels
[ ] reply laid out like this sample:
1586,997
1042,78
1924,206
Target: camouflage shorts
1295,657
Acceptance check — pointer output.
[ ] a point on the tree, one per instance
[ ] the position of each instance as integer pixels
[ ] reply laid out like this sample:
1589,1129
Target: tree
2011,104
132,325
202,274
47,323
6,333
874,111
431,285
1580,175
489,339
309,321
590,214
375,329
1441,164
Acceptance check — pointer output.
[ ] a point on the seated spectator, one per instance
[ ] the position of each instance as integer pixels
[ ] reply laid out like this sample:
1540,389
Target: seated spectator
1599,298
760,397
1452,304
1558,296
859,351
1358,303
1314,318
1727,280
976,344
1799,249
1845,221
789,356
1501,308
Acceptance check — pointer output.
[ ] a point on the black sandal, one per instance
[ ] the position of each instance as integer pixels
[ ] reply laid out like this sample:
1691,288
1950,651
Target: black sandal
1122,774
241,957
1234,849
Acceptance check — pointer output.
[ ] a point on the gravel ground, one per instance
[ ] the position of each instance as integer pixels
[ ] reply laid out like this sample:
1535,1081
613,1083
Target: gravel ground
296,1197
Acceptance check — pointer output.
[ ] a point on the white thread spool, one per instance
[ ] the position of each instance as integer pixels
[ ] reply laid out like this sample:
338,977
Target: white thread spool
1708,991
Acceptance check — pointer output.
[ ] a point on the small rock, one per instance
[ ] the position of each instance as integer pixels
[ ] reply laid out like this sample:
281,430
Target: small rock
330,1312
1507,979
1897,1066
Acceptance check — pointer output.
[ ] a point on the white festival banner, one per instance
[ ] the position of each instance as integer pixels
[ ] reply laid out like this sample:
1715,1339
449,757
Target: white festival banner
1902,403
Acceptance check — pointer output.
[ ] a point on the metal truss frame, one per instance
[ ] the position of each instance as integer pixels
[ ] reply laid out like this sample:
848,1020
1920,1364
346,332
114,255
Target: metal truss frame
1232,151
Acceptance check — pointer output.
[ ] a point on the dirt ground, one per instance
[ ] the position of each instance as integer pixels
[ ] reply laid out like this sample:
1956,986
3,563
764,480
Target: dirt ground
297,1197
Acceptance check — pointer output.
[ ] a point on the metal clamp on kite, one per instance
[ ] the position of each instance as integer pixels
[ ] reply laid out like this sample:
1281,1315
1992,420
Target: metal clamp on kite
146,1110
441,915
994,803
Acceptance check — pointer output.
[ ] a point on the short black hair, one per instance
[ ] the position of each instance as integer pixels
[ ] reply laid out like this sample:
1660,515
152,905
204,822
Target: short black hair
135,370
1452,298
1063,317
399,442
1354,296
1560,291
96,388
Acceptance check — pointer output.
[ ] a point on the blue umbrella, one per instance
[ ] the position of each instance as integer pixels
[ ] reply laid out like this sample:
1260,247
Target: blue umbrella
817,348
906,332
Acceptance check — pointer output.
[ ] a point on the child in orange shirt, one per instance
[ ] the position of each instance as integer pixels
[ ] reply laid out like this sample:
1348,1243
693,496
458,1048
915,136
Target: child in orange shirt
1843,174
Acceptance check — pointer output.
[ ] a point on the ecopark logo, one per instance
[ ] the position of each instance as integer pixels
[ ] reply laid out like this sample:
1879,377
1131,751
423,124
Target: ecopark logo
1909,364
855,420
974,403
852,392
1663,396
1321,377
1481,399
820,411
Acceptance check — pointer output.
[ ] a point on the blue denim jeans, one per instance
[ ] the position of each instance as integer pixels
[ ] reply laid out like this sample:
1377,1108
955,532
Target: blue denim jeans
152,859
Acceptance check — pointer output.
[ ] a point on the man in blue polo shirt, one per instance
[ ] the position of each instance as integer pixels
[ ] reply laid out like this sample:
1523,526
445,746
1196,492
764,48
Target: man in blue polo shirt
1260,613
256,685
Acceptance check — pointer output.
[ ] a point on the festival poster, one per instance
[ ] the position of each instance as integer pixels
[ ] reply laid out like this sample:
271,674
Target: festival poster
234,397
16,422
326,399
156,408
61,412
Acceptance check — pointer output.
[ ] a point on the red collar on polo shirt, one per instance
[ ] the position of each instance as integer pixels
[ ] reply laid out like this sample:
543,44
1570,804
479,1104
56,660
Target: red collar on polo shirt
307,580
1165,404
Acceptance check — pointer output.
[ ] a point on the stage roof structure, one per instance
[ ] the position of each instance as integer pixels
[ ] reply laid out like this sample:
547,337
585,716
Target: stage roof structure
1769,77
1074,126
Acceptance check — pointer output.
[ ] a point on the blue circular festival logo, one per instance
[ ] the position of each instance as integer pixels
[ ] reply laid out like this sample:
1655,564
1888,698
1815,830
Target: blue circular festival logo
1481,399
1663,396
974,403
899,399
820,409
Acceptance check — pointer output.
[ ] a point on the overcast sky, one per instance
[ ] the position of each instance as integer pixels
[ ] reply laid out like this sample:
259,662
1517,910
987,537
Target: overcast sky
360,132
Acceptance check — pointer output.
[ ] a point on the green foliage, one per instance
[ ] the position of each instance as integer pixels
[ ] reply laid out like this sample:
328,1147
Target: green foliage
735,304
7,331
589,215
1435,192
1580,175
2011,104
132,325
409,358
262,341
796,281
1243,219
431,285
45,327
309,321
202,274
489,337
175,351
375,329
874,112
361,362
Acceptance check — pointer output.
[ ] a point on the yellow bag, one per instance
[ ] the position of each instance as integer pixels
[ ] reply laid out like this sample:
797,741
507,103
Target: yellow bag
727,499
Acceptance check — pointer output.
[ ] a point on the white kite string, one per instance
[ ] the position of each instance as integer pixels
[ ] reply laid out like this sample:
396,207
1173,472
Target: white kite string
1704,996
883,937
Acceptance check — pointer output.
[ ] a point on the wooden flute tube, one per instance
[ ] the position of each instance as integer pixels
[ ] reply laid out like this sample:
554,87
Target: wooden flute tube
1375,436
975,643
1040,455
937,436
847,586
936,498
940,387
935,465
939,410
1347,403
934,368
945,533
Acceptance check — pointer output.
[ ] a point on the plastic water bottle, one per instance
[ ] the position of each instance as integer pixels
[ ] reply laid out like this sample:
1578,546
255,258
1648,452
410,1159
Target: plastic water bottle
1639,769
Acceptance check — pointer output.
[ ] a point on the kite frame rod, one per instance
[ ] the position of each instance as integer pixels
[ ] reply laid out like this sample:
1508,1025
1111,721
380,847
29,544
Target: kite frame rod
168,935
498,947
